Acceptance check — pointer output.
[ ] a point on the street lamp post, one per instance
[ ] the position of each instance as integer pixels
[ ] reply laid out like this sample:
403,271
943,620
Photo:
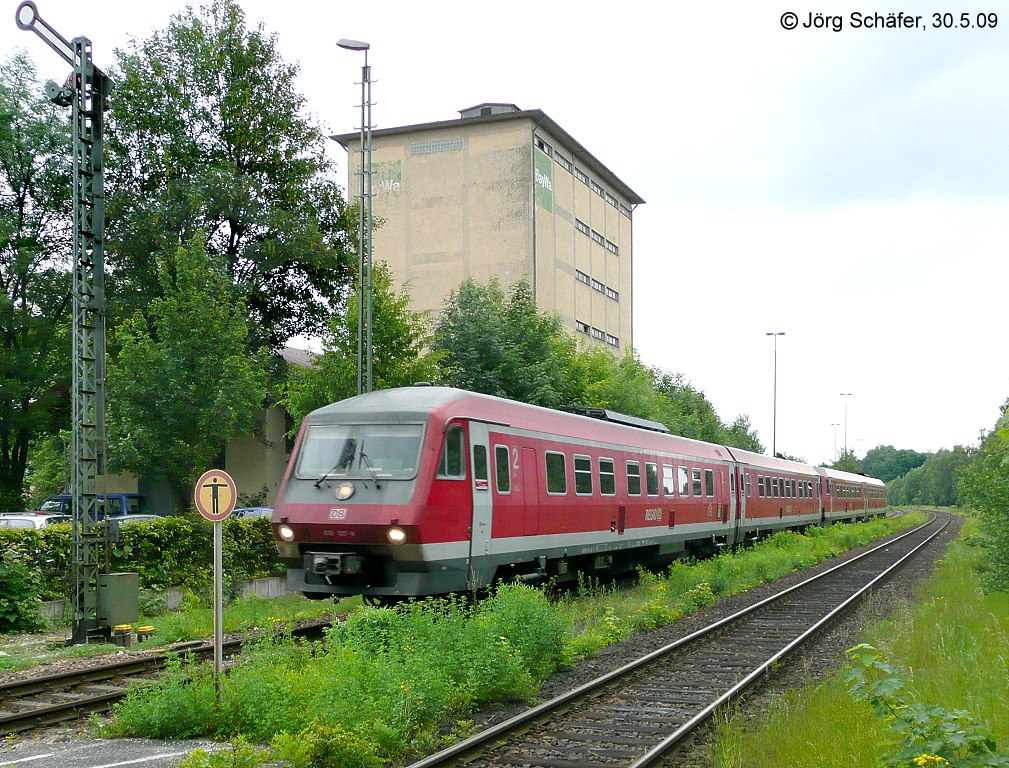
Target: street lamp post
846,395
774,423
364,230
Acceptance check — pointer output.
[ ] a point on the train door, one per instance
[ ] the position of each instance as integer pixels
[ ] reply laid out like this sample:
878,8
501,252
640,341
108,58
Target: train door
530,492
480,528
737,502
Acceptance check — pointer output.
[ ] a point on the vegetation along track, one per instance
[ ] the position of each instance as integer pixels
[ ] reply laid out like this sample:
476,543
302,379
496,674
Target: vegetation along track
42,701
636,714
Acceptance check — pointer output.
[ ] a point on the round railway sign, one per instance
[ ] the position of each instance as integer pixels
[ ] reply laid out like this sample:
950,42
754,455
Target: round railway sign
215,494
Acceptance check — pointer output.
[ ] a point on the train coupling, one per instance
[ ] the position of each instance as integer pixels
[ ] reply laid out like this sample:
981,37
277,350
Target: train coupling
333,563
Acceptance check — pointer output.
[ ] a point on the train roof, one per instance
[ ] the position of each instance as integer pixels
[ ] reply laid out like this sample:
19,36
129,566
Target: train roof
850,477
772,462
418,403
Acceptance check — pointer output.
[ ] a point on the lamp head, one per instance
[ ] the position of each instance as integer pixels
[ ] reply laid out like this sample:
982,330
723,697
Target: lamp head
353,45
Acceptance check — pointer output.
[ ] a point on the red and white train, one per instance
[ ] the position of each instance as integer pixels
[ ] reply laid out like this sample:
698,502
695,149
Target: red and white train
428,490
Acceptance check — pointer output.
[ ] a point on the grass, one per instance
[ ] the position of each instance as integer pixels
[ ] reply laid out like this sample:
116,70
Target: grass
949,646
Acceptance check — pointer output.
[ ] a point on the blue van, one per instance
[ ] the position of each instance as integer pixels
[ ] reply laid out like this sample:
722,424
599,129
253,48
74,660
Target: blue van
109,505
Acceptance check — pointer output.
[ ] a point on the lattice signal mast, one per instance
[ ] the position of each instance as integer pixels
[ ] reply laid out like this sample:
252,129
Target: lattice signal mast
86,91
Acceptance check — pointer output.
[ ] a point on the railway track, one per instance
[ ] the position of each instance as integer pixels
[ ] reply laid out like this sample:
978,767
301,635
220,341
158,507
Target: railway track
51,699
637,714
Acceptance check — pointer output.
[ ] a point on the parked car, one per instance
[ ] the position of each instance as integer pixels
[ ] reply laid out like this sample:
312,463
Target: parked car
32,521
123,519
109,504
245,512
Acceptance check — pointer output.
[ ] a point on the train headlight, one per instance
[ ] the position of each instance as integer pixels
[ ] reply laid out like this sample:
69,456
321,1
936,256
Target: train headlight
344,491
285,532
396,535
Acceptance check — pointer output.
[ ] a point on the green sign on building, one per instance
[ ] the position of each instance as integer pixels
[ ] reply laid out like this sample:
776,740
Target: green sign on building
543,169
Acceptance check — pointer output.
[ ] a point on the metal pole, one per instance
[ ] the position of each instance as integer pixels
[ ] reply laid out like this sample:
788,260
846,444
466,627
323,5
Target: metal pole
774,423
846,395
218,606
369,345
361,245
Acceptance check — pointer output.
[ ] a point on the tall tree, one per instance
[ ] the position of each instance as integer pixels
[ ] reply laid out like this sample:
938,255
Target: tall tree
208,134
982,485
35,242
399,357
847,462
185,383
887,463
503,345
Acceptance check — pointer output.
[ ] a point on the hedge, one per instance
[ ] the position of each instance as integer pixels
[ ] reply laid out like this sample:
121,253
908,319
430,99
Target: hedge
173,552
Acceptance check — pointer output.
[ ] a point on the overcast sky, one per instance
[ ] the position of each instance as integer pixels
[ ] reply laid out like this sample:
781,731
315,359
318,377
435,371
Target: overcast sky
850,188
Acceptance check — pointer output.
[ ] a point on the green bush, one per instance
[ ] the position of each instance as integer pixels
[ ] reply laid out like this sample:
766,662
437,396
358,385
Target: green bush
19,602
173,552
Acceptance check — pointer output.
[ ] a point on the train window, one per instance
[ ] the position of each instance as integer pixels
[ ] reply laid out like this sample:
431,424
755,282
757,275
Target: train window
749,490
652,479
696,475
607,478
709,482
774,488
684,481
760,486
360,450
802,490
633,478
453,465
480,469
557,478
668,485
502,469
583,476
792,485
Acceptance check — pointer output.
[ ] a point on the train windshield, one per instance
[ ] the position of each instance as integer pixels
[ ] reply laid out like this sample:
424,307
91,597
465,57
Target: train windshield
360,450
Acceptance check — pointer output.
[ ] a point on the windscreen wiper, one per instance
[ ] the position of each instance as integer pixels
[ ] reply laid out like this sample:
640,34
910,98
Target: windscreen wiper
346,460
367,462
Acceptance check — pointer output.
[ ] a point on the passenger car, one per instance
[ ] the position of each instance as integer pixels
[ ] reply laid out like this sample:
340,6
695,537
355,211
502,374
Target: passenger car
246,512
30,521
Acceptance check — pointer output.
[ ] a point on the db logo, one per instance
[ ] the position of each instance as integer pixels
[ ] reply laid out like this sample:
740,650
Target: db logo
337,514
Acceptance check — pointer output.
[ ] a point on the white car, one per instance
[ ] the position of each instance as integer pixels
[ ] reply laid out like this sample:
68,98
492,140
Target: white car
32,521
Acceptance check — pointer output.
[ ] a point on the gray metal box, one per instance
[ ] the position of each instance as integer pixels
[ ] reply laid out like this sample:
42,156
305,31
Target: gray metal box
118,595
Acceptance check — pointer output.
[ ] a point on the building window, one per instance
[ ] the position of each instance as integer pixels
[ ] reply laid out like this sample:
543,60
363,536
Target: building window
607,478
596,188
611,199
598,238
583,476
431,147
612,248
547,149
582,327
611,294
562,161
582,227
557,479
612,340
597,286
595,333
581,176
625,210
581,277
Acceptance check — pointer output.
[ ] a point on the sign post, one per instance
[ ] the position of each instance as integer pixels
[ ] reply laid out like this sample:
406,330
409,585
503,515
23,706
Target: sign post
215,495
